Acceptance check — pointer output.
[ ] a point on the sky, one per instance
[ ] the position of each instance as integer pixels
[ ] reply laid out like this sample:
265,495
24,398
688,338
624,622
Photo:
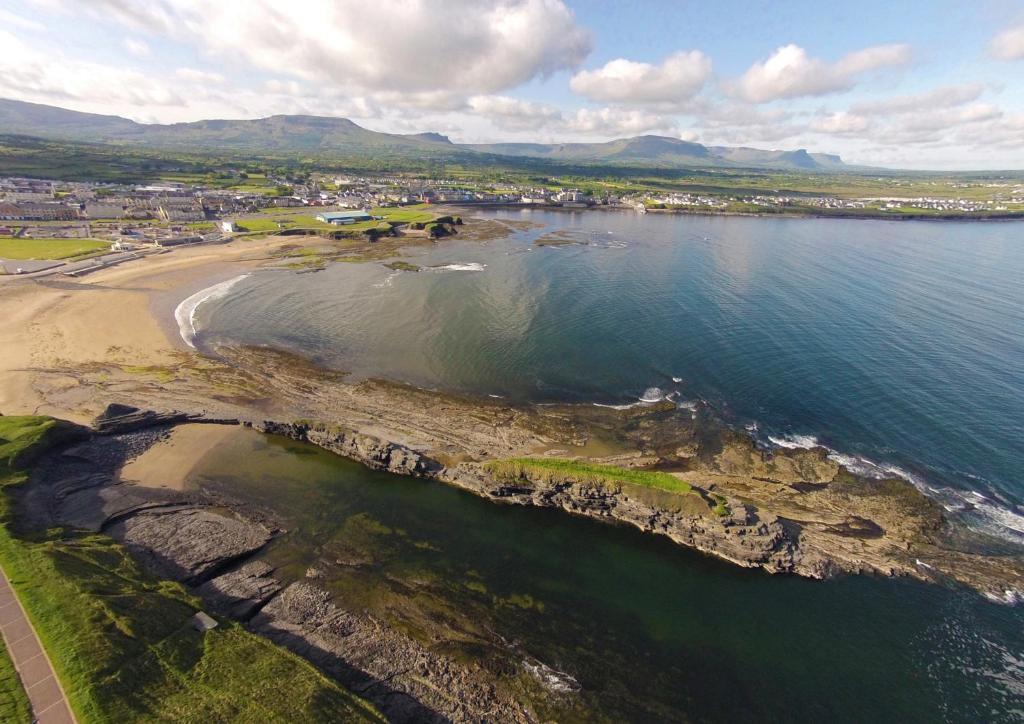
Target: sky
915,84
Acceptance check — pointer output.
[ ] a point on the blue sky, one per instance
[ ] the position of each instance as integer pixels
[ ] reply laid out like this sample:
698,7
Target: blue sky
909,84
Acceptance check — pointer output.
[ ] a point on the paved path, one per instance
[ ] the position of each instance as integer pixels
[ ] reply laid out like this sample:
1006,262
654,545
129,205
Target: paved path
49,705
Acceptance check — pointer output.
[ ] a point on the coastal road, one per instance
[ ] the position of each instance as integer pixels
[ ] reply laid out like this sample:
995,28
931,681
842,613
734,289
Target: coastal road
49,704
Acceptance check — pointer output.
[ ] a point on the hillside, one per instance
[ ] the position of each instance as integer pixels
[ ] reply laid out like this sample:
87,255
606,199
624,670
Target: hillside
667,151
299,134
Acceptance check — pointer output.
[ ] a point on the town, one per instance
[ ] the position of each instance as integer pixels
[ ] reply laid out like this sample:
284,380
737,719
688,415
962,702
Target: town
75,227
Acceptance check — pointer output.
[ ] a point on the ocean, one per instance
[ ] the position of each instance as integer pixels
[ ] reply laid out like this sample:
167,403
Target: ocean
899,346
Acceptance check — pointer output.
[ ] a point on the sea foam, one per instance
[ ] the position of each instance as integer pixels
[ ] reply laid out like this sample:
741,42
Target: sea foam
975,509
465,266
185,313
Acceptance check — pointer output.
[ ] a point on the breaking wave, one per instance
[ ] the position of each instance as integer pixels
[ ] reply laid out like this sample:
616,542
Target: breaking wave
976,510
650,396
185,313
387,281
465,266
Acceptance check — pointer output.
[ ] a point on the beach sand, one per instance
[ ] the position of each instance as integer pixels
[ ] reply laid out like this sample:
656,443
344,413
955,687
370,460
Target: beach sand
121,315
169,463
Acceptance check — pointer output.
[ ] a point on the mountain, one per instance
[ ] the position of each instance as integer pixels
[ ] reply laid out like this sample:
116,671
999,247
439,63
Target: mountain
647,149
299,134
667,151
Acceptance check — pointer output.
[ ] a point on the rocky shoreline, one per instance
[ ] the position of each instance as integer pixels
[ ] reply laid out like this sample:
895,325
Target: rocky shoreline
211,546
879,527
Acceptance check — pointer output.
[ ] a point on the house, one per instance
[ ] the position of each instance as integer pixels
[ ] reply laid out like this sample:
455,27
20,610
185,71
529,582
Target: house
286,201
37,212
100,210
343,217
181,212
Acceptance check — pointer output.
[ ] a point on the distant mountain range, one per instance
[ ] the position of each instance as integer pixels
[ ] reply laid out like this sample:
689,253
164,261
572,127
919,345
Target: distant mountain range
341,137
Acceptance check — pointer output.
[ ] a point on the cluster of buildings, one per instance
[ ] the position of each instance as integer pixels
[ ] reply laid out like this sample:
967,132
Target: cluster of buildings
195,205
698,200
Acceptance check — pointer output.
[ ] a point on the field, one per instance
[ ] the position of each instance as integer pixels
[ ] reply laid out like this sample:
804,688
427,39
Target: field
121,640
50,248
555,469
271,220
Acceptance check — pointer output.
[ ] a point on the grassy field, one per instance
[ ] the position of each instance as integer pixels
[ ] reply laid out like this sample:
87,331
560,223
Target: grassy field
49,248
121,640
14,705
271,220
260,225
556,469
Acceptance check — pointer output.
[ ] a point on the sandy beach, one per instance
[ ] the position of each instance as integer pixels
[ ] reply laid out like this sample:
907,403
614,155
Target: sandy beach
168,463
121,315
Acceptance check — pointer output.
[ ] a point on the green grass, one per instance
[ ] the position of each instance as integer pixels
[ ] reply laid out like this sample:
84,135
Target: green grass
721,508
402,266
557,470
258,225
14,704
121,641
49,248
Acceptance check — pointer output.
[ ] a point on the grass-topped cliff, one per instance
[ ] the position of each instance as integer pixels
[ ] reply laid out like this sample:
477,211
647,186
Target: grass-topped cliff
121,640
580,471
561,470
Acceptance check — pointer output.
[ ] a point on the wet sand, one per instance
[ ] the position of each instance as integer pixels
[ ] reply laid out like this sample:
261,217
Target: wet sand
105,317
169,463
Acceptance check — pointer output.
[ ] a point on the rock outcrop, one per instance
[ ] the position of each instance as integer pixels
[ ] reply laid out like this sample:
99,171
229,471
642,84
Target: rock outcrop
744,536
401,676
187,537
369,450
190,544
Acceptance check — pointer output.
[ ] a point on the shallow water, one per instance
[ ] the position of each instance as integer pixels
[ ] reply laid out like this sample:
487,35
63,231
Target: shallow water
899,345
650,630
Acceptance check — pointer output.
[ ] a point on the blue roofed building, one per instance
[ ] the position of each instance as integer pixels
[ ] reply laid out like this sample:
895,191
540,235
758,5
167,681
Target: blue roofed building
343,217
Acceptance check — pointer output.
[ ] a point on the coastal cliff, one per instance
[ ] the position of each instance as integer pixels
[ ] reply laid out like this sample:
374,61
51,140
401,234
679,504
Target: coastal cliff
212,547
794,511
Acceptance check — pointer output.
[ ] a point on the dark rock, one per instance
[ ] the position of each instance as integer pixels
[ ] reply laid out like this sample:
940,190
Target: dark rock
406,681
371,451
190,545
117,419
240,593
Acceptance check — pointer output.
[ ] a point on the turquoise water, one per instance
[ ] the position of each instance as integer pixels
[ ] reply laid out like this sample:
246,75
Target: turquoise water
898,345
650,630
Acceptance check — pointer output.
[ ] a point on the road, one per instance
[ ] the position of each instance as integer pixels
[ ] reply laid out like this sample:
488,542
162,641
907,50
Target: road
49,704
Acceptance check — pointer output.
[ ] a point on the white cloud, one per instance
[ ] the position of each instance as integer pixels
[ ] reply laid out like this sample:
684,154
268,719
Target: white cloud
136,47
47,76
673,81
943,119
13,20
515,114
461,47
744,123
841,124
1009,44
618,122
943,97
194,75
790,73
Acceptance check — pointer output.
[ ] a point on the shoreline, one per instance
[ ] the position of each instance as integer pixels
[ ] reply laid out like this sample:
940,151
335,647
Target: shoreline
945,218
133,358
